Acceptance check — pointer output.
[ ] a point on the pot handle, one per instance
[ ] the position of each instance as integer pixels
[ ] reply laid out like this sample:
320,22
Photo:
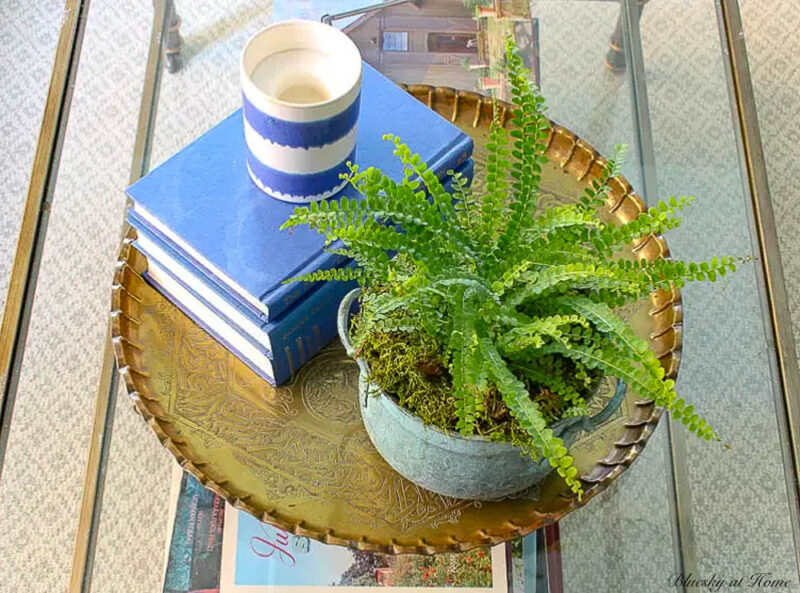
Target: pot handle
343,320
611,406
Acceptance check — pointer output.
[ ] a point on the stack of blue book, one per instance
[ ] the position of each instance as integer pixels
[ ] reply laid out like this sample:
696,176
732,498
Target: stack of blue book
214,247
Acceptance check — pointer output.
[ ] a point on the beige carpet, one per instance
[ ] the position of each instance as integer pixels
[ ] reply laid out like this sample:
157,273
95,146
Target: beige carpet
42,478
738,497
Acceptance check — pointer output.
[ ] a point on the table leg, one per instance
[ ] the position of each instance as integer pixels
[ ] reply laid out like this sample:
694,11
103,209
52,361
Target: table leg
552,549
174,42
615,57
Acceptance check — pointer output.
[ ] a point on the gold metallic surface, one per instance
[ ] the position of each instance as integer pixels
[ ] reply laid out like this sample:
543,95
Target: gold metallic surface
298,456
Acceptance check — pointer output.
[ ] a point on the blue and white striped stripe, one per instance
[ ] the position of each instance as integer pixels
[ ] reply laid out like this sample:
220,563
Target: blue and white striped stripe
298,187
302,134
297,152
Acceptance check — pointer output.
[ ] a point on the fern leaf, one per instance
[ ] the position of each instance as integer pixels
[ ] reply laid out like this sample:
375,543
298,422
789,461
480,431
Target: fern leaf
544,377
341,274
559,217
578,276
607,358
463,369
413,162
535,333
497,166
530,133
607,322
656,220
516,397
595,195
465,205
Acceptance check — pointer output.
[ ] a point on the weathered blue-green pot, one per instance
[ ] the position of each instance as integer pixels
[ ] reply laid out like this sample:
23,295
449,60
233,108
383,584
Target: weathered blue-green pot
448,463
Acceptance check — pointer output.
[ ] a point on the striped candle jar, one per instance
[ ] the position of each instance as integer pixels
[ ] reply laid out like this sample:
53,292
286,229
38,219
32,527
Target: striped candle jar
301,85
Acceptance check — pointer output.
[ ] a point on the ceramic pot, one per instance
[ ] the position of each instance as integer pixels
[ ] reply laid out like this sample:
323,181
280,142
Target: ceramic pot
448,463
301,89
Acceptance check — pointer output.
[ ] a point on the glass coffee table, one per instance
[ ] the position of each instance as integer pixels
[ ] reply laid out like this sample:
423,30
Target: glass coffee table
673,84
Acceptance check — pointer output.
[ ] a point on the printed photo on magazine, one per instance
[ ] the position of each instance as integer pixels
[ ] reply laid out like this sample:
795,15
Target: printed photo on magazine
450,43
260,558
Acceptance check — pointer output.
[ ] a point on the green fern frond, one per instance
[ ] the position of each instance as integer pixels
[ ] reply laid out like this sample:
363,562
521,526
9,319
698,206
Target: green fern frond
516,395
605,357
414,163
542,375
576,410
577,276
596,194
605,321
567,216
497,165
537,332
465,205
340,274
530,130
390,325
655,221
411,209
465,365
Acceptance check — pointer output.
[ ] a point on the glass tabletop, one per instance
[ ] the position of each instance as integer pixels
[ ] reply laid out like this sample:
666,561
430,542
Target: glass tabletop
88,495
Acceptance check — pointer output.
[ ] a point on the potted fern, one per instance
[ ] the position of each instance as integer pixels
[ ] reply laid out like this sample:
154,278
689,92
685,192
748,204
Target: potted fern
485,324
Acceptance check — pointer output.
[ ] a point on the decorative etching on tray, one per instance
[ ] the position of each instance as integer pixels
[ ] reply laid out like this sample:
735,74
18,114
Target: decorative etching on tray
275,487
170,314
605,391
326,389
215,396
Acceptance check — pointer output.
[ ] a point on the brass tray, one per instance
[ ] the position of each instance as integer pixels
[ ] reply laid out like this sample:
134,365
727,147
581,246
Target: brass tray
299,457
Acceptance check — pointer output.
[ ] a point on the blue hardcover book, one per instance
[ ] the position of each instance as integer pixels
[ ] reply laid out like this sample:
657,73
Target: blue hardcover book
296,337
203,202
253,326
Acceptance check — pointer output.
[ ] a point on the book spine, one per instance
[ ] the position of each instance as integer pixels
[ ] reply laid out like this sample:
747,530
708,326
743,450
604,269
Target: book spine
195,552
307,328
455,156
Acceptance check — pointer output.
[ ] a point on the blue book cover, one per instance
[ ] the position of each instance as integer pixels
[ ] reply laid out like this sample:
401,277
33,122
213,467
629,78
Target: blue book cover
203,201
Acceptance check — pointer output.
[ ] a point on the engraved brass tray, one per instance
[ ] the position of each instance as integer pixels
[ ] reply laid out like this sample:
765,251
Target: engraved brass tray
299,457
